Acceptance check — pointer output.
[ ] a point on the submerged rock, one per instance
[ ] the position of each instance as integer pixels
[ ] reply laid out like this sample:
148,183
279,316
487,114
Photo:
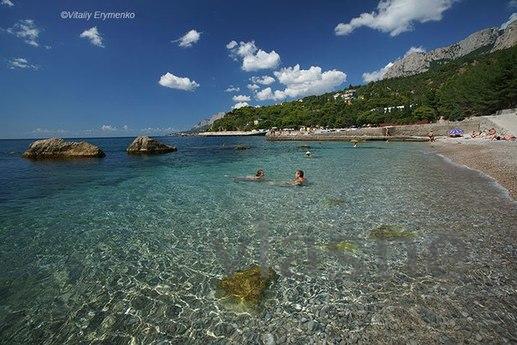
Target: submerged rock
342,246
146,145
242,147
57,148
334,201
390,232
247,286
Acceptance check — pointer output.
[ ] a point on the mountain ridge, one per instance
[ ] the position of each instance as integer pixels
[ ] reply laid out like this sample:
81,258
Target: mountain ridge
492,39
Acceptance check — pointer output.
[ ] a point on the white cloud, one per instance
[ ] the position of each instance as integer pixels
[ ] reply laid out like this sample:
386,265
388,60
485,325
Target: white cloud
253,58
7,3
241,98
108,128
253,87
21,63
264,80
27,30
300,82
512,18
180,83
94,36
240,105
376,75
414,50
397,16
232,88
379,74
188,39
157,130
267,93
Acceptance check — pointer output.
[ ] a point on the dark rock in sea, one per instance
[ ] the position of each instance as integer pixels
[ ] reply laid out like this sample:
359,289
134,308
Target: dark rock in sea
247,286
390,232
57,148
242,147
146,145
342,246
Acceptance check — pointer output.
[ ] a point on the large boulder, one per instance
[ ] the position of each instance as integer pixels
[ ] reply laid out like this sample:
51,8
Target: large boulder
146,145
57,148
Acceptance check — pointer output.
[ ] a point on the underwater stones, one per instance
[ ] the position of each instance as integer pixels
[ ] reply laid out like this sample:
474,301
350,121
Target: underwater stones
241,147
57,148
334,201
247,286
391,233
147,145
342,246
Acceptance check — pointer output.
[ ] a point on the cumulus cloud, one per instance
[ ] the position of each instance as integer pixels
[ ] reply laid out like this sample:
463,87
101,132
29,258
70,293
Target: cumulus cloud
21,63
379,74
94,36
512,18
241,98
253,87
108,128
264,80
7,3
189,39
414,50
376,75
397,16
253,58
240,105
232,88
26,30
299,82
180,83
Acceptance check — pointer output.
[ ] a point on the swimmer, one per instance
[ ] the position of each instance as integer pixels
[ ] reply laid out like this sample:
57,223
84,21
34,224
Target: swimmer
259,176
308,153
299,178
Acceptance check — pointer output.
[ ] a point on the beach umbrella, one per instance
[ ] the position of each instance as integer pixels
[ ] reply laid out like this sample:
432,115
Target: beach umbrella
456,132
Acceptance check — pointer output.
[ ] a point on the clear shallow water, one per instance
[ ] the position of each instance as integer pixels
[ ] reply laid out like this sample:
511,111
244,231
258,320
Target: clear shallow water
130,249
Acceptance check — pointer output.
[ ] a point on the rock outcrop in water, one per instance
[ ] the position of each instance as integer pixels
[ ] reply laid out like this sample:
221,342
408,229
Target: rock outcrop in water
247,286
487,40
146,145
57,148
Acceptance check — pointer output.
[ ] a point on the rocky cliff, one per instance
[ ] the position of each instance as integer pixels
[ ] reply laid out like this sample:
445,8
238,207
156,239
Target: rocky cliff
487,40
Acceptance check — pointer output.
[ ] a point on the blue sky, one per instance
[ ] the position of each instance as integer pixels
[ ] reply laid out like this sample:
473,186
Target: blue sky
75,77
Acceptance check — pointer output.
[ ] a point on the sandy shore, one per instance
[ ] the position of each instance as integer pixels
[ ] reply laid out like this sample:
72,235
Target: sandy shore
497,159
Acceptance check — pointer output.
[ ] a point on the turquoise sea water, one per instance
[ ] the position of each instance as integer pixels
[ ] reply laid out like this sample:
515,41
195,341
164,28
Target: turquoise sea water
130,249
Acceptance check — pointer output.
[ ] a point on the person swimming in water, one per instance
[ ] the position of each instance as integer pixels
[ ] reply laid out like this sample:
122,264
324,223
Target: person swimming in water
259,175
299,178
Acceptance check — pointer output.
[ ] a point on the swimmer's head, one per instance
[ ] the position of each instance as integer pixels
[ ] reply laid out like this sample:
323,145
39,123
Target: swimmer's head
299,173
308,153
260,173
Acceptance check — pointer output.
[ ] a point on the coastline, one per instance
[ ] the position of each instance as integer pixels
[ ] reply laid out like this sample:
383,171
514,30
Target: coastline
497,159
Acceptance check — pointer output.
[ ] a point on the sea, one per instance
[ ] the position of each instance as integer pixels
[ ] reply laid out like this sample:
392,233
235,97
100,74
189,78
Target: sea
131,249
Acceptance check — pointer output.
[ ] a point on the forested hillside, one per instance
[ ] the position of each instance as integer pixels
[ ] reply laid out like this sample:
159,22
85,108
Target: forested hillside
474,85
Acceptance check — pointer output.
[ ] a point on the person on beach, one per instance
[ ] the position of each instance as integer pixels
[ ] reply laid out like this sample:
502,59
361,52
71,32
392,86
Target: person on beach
299,178
431,136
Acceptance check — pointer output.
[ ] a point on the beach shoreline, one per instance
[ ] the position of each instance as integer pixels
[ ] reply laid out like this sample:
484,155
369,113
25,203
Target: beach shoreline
497,159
